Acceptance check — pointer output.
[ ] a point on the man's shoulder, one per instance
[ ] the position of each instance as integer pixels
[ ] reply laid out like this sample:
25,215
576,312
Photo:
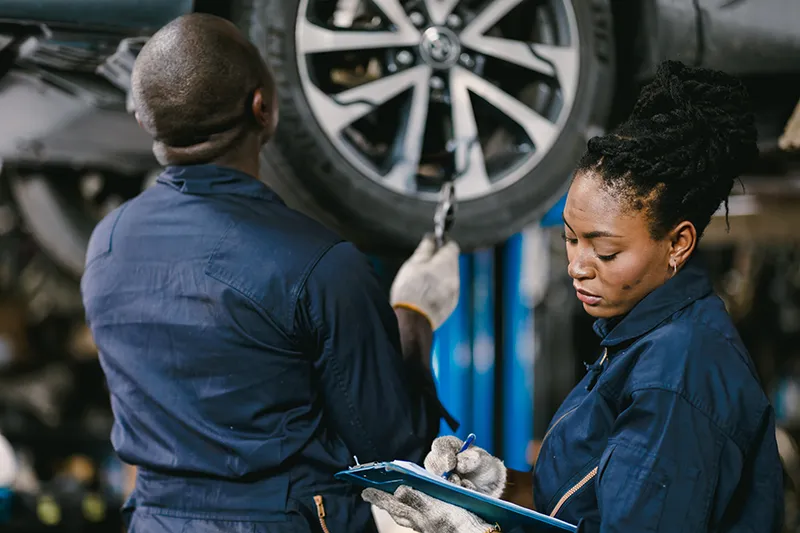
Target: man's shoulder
269,257
102,234
282,237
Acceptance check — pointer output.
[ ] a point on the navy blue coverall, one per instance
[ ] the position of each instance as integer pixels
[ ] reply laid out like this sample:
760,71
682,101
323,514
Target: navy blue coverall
670,430
250,354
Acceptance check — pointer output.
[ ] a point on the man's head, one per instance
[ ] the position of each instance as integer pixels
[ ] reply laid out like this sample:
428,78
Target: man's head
202,90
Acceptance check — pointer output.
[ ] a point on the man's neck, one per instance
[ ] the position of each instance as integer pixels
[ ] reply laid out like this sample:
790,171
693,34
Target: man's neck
250,168
246,160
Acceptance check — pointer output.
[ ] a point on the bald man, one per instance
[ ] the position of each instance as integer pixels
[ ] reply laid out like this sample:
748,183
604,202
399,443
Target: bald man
249,352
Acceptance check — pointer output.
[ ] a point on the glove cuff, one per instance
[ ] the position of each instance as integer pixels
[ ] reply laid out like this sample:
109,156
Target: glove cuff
416,309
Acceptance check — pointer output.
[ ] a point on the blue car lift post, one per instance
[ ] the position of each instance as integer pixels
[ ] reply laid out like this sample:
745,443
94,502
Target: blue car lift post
498,408
492,328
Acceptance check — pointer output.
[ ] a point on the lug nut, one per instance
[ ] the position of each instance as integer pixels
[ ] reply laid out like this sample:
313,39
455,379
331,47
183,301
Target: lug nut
453,20
417,19
466,60
404,57
437,83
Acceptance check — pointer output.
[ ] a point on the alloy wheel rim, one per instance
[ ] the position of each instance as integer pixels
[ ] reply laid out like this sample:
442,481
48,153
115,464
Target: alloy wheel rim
446,77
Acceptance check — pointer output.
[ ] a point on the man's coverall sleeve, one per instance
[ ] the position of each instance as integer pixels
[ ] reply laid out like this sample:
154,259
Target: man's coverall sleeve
367,391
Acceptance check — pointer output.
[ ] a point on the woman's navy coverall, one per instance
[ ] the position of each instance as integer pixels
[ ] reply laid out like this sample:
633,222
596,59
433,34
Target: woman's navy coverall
250,354
669,431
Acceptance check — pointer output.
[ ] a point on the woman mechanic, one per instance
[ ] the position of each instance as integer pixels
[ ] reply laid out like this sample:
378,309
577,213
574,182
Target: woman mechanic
669,430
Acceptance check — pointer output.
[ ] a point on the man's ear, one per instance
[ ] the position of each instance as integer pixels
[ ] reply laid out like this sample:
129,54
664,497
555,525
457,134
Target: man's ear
261,111
265,112
683,240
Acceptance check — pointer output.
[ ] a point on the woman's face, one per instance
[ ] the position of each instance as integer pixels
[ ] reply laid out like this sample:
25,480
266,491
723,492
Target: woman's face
613,260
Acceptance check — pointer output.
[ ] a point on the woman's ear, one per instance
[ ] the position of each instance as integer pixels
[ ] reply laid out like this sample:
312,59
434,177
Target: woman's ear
683,239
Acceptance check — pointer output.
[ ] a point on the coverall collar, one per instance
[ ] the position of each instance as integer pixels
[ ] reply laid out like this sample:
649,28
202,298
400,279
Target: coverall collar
214,179
690,284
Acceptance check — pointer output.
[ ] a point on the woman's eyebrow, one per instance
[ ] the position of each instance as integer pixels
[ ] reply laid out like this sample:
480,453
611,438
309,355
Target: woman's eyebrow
596,234
590,234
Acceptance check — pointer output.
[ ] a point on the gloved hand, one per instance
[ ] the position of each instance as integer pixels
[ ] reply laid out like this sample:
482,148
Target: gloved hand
475,468
429,281
8,463
424,514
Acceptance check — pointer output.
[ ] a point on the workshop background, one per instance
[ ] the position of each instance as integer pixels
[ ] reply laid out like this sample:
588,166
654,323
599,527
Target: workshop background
457,115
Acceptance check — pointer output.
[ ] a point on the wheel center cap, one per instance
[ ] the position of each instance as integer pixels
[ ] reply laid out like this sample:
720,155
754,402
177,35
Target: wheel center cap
440,47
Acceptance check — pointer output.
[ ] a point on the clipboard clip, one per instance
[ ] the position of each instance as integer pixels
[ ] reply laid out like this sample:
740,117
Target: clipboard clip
359,465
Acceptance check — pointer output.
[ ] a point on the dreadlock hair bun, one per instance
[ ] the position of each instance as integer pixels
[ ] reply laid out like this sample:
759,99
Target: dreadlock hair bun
688,138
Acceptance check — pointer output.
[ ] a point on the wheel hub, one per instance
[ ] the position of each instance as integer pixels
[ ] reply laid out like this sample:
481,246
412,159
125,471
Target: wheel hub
440,47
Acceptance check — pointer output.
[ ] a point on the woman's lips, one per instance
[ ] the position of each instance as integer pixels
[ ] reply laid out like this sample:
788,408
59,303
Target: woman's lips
587,297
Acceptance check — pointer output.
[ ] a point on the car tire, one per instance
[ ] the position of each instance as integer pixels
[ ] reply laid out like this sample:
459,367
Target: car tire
306,169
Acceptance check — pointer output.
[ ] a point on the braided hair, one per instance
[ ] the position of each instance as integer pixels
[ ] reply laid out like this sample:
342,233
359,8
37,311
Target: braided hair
688,138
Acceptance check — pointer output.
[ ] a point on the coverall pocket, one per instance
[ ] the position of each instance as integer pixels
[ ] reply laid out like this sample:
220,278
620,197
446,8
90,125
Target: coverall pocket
631,491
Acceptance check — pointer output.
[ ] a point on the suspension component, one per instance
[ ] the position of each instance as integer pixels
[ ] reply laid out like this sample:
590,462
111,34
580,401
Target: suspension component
444,217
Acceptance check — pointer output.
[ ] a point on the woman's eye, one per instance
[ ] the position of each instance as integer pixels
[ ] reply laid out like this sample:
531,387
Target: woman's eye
568,239
606,257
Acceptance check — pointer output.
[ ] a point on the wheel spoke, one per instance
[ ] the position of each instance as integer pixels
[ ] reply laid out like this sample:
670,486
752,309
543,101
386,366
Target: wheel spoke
396,14
439,10
312,39
470,165
490,16
401,176
566,60
559,62
516,52
540,130
338,112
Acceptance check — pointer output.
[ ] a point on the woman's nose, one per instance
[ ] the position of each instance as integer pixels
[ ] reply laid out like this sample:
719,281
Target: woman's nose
578,268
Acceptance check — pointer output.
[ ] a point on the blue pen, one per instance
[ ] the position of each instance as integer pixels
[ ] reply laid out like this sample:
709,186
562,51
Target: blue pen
467,443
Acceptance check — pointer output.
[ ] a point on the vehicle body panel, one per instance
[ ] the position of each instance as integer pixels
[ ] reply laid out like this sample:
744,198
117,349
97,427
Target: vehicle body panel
741,37
668,30
746,37
45,124
138,14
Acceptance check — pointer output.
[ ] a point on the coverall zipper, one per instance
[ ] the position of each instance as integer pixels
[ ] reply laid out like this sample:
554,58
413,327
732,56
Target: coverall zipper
321,513
592,473
557,422
575,488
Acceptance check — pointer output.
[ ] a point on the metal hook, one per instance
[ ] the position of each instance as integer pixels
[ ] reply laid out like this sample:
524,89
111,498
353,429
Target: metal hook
444,217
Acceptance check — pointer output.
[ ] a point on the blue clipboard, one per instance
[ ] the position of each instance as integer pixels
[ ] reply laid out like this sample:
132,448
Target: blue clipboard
388,476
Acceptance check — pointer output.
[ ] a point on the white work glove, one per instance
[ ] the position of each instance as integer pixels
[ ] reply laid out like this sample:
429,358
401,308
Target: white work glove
473,468
424,514
8,464
429,281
